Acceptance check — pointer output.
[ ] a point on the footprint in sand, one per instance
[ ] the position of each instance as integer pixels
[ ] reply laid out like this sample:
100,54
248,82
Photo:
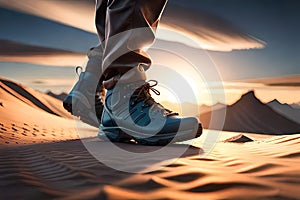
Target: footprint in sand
34,134
14,129
1,124
24,134
25,129
17,137
36,130
12,138
1,104
3,129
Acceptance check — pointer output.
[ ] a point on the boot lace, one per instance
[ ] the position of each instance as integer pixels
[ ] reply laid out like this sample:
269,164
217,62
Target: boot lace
142,94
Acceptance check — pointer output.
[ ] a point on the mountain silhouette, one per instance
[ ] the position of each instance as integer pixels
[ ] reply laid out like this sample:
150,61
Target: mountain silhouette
295,105
249,114
205,108
285,110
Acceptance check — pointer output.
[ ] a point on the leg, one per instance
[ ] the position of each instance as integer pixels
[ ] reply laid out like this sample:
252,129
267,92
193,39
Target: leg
95,57
130,26
100,18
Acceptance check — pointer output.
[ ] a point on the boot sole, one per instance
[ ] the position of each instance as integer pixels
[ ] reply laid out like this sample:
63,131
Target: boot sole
116,134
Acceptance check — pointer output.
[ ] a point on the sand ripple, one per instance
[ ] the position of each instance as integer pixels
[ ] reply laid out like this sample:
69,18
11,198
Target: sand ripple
265,169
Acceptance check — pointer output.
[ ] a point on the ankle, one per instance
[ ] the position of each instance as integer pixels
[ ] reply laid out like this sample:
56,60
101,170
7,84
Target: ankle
136,74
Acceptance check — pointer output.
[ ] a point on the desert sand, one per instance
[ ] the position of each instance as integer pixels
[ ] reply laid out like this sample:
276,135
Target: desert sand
264,169
29,116
43,157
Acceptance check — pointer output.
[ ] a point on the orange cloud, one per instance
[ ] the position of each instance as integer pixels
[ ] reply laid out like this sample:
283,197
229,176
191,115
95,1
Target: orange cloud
293,81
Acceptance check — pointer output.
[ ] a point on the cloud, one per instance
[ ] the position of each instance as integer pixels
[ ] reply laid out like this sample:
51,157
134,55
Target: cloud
50,82
291,81
39,82
11,51
207,30
79,13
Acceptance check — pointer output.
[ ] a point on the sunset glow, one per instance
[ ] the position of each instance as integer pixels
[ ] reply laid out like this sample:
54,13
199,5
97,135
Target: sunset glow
66,60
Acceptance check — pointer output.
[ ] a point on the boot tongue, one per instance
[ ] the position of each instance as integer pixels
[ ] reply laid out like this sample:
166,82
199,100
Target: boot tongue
136,74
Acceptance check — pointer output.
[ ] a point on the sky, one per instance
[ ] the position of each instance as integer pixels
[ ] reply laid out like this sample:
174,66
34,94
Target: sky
243,40
276,23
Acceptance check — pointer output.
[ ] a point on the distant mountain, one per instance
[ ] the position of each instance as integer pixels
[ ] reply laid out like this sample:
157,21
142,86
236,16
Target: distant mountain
191,109
249,114
205,108
285,110
295,105
60,96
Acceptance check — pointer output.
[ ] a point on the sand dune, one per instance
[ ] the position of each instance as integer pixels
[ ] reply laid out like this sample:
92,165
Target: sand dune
60,96
29,116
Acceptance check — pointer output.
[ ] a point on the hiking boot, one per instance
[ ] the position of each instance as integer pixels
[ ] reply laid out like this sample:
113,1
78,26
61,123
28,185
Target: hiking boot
84,100
130,113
